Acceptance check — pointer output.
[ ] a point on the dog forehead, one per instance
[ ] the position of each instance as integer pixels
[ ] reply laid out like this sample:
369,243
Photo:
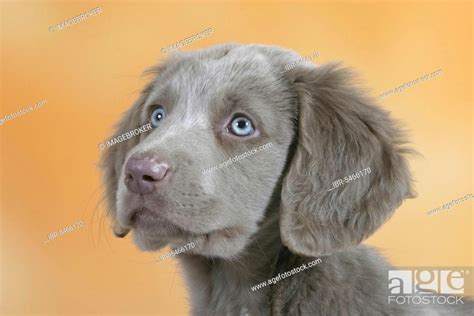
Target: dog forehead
198,86
195,71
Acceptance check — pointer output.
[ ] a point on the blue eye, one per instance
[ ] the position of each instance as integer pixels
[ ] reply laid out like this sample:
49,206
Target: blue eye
241,126
157,115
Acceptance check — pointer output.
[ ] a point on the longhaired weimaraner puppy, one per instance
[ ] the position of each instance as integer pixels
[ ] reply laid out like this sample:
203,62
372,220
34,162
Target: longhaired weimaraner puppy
275,209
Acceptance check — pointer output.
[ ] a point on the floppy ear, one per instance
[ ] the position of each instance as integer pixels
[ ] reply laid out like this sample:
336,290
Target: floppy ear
113,158
340,132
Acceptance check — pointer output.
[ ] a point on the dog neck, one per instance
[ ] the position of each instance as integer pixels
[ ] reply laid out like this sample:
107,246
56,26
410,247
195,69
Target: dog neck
224,286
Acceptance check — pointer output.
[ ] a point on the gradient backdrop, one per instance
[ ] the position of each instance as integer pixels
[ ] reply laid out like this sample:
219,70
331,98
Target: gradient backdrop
90,73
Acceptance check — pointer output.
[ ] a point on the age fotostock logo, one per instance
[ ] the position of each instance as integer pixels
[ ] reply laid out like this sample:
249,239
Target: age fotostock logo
428,285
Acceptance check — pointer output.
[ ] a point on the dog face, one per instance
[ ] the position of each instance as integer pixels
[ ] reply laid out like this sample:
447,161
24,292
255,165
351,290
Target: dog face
205,111
208,106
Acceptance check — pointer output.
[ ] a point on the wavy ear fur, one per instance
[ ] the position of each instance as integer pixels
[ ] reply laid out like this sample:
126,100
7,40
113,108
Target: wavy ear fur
340,131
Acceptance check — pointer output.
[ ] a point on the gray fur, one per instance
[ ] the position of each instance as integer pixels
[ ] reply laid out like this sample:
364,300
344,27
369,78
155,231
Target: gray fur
270,212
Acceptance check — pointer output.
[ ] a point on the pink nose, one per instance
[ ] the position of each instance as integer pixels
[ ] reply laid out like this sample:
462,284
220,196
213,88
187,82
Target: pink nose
142,175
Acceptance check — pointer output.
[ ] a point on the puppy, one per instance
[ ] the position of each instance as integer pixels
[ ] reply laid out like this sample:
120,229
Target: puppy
271,211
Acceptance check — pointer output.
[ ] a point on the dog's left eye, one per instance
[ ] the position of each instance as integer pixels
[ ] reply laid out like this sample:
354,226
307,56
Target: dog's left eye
157,115
241,126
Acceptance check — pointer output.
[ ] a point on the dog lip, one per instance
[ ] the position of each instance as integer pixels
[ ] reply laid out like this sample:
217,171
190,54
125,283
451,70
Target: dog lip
157,224
120,231
227,232
154,223
164,227
121,234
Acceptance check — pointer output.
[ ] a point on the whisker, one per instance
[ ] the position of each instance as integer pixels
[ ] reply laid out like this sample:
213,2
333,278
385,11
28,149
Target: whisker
91,218
263,252
174,276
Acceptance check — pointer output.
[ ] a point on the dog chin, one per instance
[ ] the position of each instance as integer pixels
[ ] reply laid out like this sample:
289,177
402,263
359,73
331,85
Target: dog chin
146,244
218,246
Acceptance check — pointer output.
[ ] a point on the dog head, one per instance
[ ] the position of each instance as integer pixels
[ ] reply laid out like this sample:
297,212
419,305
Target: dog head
234,133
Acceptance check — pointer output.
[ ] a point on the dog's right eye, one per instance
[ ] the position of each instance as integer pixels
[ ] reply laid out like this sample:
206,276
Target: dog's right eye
241,126
158,114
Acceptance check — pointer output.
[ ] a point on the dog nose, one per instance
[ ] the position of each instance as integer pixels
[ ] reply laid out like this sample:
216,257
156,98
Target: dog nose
142,175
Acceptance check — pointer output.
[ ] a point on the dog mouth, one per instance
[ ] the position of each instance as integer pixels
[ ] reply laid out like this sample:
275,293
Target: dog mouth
149,223
155,226
166,217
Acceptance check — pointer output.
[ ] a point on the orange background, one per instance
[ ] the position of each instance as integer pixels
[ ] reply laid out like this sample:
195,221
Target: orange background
90,73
